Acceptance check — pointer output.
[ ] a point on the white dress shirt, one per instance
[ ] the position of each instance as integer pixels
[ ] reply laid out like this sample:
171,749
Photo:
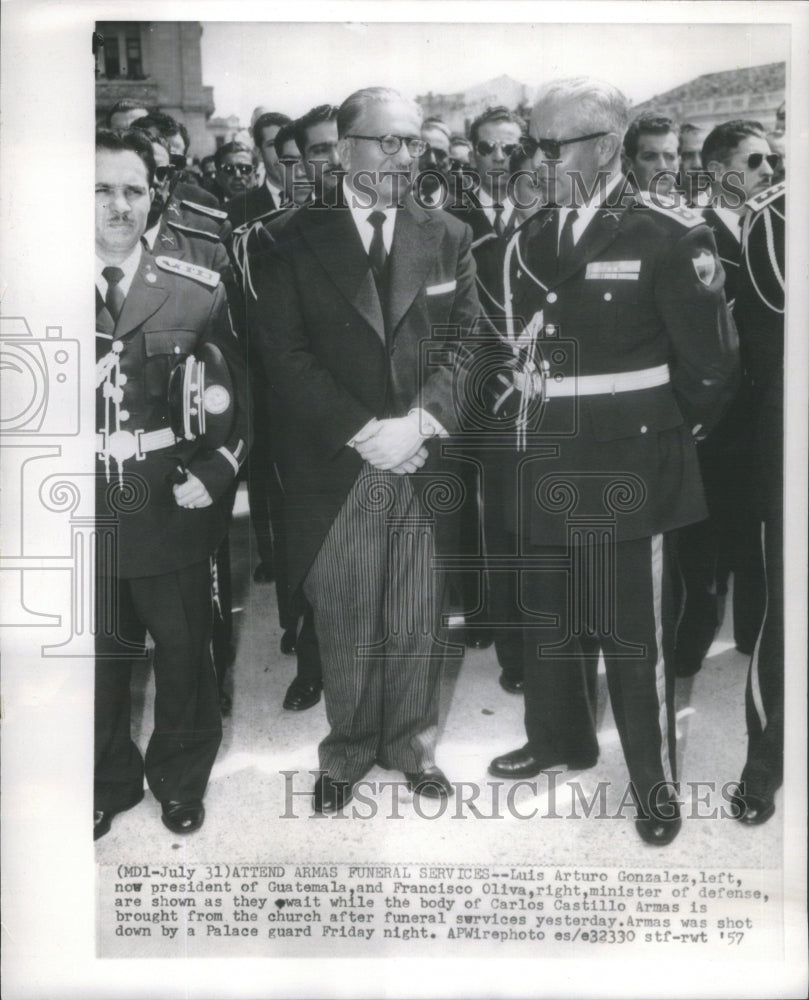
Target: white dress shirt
487,204
361,216
731,220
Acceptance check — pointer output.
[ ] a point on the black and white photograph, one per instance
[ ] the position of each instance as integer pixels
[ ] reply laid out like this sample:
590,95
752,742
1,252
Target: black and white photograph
409,566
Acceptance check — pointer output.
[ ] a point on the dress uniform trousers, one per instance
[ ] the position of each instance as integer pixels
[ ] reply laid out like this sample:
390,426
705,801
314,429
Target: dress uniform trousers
612,597
376,599
175,608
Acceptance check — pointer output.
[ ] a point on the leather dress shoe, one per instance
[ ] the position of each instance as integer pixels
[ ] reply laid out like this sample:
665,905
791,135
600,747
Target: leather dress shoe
302,695
102,818
511,682
660,829
289,642
330,796
523,764
752,810
183,817
479,638
264,573
431,782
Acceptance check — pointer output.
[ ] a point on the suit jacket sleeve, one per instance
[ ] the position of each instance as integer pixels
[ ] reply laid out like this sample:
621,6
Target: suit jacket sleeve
690,297
308,392
438,392
216,469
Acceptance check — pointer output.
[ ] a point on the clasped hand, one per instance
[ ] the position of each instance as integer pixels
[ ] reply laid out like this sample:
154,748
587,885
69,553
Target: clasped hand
394,445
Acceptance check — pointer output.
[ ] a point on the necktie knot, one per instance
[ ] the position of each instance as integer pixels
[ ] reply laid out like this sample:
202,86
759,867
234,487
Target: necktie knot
377,220
112,275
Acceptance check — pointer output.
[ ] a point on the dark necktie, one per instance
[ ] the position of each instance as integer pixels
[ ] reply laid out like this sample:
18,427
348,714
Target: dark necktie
499,228
566,244
377,252
114,299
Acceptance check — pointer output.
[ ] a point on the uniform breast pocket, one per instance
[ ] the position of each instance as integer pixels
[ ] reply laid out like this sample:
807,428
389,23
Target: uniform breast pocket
439,296
618,312
164,350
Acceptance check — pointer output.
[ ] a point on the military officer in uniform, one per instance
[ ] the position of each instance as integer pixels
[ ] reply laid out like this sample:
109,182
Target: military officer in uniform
626,352
760,314
160,484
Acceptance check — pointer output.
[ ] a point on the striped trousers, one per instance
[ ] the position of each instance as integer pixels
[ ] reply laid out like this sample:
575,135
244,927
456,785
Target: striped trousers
376,599
614,598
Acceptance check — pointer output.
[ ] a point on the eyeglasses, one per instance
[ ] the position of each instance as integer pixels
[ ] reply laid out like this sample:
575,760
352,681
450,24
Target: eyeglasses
754,160
552,148
163,173
391,144
484,148
245,169
289,160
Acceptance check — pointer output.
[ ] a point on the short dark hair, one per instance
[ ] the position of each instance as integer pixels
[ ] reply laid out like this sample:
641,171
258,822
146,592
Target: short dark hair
128,140
284,134
649,123
156,121
230,147
210,158
265,121
499,113
321,113
125,104
722,141
433,121
456,139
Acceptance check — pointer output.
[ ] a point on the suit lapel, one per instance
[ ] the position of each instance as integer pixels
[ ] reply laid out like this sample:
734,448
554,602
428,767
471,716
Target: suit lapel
415,243
336,243
104,321
541,245
147,293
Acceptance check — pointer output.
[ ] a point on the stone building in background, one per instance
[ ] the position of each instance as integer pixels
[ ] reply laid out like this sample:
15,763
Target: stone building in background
159,63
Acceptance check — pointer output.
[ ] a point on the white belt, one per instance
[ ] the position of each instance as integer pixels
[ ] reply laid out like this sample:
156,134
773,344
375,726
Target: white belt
122,445
598,385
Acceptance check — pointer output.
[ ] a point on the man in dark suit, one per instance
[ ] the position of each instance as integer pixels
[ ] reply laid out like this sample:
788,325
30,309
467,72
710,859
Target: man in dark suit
734,153
650,153
351,303
490,213
269,196
626,352
158,503
761,303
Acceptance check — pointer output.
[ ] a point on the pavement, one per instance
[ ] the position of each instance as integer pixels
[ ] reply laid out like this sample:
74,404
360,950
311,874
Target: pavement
258,805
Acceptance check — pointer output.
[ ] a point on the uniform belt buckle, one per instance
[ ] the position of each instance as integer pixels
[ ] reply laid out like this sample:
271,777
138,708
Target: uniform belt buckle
123,445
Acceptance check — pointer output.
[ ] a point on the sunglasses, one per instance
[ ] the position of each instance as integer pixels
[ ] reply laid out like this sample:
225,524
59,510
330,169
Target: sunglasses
754,160
484,148
163,173
289,160
552,148
245,169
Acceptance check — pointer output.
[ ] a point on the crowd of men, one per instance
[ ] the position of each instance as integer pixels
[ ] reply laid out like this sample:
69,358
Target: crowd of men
535,373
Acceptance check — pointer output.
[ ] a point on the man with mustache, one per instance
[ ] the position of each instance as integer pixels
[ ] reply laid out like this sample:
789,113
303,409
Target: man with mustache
350,304
160,496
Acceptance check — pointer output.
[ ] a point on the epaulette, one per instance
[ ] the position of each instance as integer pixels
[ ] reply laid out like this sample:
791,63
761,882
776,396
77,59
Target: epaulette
214,213
188,270
766,197
685,216
263,218
206,234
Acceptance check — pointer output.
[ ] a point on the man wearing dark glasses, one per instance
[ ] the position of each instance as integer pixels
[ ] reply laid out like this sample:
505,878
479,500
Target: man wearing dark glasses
488,209
267,197
626,352
737,157
235,172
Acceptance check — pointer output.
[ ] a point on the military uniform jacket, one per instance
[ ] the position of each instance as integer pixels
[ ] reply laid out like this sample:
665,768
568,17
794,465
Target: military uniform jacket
166,317
249,205
488,249
333,361
729,250
643,288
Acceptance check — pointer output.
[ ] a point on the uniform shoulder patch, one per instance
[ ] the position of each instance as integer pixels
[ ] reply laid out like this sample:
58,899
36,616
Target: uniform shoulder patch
679,213
190,231
766,197
188,270
214,213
